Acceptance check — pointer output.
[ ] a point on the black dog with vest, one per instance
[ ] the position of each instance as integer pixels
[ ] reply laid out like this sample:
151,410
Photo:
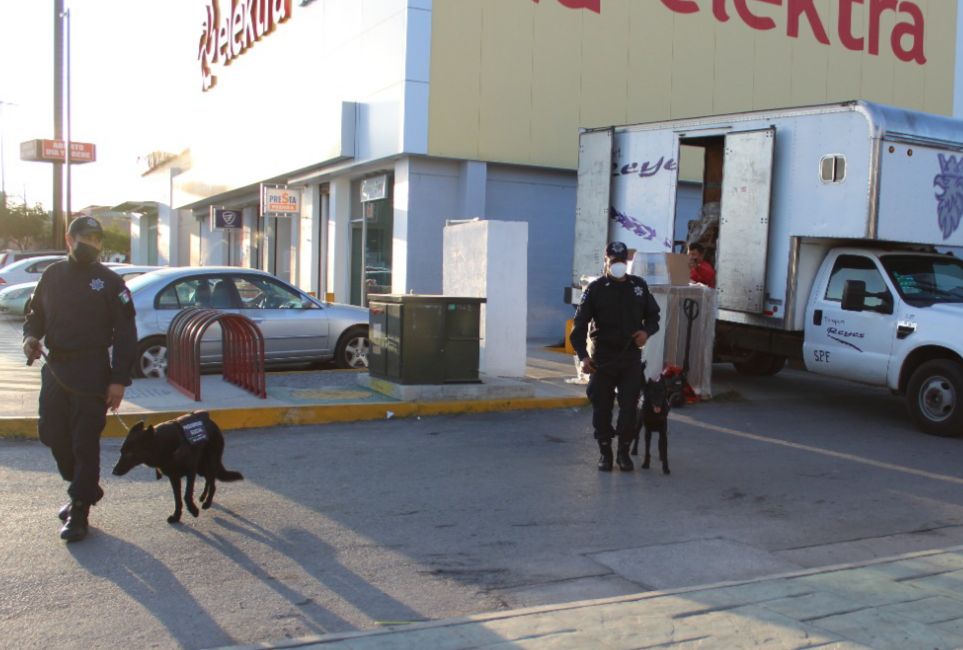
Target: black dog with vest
185,447
654,416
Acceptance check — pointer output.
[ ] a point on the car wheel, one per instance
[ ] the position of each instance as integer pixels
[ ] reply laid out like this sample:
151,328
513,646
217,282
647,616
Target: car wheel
151,358
934,396
352,350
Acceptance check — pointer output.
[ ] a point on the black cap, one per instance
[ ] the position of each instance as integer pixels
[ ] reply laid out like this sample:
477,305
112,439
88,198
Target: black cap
85,226
617,250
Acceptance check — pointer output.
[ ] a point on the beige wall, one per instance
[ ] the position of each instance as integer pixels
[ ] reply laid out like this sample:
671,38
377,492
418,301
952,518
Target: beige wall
514,80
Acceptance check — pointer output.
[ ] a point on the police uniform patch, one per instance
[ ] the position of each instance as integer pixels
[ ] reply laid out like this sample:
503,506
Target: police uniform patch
97,284
124,296
639,292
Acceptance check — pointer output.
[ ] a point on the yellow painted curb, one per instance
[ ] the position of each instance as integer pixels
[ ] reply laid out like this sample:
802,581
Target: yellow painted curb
271,416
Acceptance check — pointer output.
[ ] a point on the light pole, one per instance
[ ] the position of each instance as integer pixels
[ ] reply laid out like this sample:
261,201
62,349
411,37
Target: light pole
3,155
58,226
67,205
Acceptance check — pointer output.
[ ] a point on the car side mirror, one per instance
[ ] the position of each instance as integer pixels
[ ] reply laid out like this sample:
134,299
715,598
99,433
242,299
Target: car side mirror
854,295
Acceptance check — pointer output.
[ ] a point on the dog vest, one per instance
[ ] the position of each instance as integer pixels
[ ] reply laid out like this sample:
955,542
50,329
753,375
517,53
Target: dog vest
192,425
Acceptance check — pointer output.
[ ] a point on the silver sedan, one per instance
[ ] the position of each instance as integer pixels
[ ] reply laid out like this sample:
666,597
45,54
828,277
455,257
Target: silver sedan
298,329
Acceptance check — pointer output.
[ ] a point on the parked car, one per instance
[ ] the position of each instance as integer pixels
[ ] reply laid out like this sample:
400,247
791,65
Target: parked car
298,329
9,256
15,299
28,269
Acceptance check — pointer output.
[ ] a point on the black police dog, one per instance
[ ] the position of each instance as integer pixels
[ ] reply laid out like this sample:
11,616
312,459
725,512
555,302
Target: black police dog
170,450
654,416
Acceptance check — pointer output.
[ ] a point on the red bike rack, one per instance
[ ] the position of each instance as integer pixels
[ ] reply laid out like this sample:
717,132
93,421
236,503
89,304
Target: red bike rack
242,351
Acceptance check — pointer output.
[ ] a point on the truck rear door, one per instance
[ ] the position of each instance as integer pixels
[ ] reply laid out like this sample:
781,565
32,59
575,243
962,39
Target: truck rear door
853,345
744,221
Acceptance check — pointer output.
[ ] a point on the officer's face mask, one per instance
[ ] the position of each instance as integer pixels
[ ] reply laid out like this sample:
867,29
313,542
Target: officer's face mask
617,270
84,253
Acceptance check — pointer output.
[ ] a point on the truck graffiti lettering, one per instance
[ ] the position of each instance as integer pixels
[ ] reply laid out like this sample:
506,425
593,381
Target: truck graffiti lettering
845,333
591,5
949,194
636,227
911,27
644,169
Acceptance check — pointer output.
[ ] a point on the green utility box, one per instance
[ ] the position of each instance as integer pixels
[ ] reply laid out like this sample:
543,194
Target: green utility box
424,339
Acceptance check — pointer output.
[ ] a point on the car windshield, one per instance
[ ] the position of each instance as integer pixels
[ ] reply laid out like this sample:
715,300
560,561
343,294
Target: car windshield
926,279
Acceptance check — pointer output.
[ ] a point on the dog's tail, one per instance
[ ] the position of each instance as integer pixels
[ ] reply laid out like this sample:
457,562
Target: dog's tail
228,475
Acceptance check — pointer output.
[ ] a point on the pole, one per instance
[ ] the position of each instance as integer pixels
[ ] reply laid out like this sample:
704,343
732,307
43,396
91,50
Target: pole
58,224
68,210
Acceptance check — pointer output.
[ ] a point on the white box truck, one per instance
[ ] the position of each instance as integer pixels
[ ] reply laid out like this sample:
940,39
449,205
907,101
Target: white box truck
832,229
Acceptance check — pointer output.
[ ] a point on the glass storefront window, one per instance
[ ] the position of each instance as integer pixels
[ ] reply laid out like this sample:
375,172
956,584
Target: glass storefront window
372,226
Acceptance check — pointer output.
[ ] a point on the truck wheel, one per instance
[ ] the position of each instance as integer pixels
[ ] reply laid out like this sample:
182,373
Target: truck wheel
760,364
934,396
352,350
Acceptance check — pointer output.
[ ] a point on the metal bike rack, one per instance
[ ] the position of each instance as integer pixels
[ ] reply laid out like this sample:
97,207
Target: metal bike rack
242,351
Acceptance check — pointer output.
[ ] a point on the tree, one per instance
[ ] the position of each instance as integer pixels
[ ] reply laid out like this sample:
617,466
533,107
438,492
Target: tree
116,241
23,226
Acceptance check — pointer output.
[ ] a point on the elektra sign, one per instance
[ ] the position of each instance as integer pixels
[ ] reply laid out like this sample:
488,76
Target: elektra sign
905,39
224,38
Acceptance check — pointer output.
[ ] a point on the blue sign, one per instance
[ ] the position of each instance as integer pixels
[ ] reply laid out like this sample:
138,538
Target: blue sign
224,219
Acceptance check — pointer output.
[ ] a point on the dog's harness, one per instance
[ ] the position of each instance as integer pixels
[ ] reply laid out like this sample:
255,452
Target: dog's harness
193,427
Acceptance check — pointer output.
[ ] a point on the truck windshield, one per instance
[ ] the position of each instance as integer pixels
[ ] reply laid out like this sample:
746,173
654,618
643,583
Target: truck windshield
926,279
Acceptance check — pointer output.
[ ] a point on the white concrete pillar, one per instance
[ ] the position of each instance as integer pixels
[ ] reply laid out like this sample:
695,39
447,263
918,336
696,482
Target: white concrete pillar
399,239
308,246
339,239
489,259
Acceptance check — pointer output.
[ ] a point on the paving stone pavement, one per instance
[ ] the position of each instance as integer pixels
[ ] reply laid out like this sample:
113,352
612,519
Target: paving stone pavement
905,602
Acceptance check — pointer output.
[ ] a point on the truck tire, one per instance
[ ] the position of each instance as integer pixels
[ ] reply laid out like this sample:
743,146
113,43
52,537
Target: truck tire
760,364
934,396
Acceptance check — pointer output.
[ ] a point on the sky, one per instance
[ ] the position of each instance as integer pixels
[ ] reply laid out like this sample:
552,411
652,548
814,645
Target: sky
128,57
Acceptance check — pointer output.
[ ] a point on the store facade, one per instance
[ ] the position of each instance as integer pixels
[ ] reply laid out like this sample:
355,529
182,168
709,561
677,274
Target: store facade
390,117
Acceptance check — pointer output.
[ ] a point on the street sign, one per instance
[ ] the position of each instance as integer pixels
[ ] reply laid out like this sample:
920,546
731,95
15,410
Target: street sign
53,151
280,201
224,219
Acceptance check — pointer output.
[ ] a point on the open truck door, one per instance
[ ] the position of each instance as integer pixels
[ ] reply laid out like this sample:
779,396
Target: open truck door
744,220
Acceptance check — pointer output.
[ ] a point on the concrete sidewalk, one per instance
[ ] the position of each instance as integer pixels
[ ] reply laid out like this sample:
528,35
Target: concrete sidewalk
910,601
316,397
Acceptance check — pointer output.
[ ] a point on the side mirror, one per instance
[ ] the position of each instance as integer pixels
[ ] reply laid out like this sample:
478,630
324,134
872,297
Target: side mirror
854,295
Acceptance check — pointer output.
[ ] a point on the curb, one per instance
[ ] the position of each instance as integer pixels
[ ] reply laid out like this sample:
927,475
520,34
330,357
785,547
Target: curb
271,416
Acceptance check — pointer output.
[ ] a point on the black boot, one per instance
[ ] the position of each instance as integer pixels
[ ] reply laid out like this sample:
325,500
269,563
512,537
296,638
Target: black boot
76,527
62,515
605,459
623,459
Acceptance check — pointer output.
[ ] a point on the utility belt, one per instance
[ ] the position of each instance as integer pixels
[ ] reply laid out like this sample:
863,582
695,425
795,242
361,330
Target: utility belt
55,354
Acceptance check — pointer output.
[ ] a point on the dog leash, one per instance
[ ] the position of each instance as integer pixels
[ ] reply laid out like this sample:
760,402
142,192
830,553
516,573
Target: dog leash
67,388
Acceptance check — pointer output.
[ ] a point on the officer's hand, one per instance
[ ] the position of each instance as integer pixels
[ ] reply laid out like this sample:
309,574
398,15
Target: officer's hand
588,366
115,395
31,349
640,338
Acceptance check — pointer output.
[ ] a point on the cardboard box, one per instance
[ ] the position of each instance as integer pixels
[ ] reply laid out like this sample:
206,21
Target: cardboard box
661,269
678,265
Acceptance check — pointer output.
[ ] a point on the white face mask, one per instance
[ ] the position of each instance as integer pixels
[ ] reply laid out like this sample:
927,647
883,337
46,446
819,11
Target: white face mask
617,270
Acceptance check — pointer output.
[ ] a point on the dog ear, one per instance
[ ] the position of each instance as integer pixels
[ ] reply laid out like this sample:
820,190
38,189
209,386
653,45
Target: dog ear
138,426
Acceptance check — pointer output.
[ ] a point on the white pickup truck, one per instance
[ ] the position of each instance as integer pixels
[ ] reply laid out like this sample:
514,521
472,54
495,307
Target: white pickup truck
831,229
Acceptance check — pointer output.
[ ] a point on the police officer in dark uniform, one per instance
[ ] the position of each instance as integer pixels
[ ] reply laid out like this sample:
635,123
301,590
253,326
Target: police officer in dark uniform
81,309
624,315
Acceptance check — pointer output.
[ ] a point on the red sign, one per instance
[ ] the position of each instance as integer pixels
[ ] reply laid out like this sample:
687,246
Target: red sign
905,38
53,151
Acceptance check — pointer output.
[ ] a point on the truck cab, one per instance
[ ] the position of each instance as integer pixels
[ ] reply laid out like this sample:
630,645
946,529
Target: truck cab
892,318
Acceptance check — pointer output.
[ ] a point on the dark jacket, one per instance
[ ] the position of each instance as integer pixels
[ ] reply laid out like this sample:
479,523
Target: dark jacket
619,309
81,308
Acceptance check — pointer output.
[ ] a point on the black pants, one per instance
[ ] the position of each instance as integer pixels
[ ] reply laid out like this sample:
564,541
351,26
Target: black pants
624,374
71,424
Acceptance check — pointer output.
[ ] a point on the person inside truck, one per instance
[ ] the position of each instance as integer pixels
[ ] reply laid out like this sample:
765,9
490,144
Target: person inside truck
699,269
